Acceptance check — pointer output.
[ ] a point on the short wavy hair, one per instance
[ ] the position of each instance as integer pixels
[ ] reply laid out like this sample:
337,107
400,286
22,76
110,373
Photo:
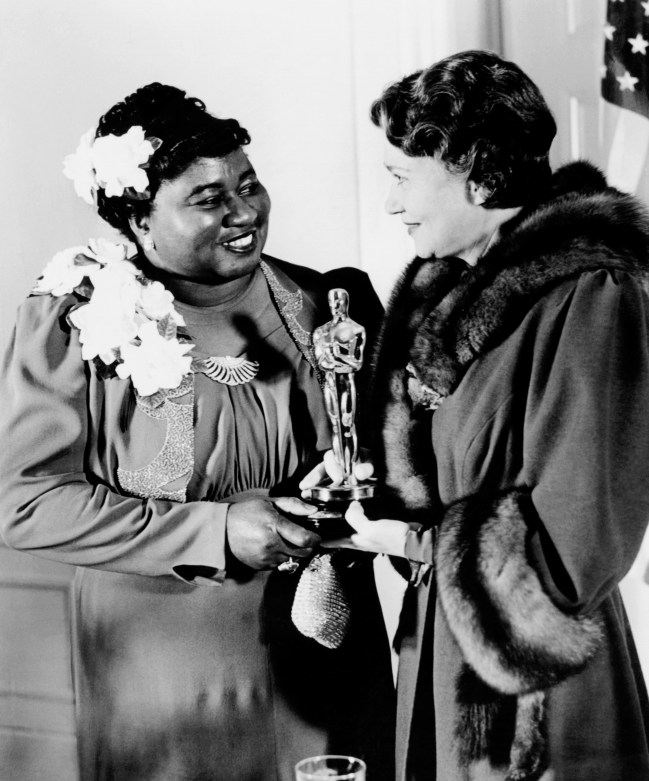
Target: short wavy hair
481,116
187,131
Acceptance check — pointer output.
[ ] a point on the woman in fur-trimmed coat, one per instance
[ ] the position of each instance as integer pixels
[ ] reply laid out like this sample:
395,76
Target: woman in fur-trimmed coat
512,389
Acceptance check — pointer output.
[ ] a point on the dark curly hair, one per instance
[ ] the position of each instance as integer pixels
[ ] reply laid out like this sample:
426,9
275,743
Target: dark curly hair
187,131
482,116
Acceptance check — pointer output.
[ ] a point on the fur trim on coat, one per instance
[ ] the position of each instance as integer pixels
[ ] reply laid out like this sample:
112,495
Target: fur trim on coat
509,630
443,316
515,641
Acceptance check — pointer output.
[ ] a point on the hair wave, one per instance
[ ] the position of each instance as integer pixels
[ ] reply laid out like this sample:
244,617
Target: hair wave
481,116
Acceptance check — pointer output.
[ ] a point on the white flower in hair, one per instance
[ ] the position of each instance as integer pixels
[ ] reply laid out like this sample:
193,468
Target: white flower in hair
80,167
154,363
112,163
117,161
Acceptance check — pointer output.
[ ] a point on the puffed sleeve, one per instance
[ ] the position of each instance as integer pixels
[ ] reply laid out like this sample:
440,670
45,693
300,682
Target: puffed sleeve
49,506
521,573
586,440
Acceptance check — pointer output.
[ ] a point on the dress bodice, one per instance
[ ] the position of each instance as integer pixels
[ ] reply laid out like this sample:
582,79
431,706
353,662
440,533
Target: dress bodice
245,437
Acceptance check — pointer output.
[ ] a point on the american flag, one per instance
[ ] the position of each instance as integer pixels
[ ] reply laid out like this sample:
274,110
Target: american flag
625,89
625,84
625,81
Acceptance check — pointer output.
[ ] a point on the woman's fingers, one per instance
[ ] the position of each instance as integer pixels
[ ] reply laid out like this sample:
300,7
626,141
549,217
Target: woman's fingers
363,470
355,516
293,506
291,534
327,468
315,476
334,470
296,540
331,469
342,542
379,536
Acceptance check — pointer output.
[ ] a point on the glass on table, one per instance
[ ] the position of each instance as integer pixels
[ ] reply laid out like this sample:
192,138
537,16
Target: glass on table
334,767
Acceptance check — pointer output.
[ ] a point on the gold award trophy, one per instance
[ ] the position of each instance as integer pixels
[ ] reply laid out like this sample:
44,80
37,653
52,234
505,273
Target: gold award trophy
339,346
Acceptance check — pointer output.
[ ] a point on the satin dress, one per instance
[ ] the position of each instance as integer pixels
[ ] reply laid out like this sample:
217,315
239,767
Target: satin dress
198,674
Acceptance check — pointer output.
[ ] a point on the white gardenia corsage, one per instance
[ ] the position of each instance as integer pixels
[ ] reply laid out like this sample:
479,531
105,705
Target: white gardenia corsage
112,163
128,323
153,361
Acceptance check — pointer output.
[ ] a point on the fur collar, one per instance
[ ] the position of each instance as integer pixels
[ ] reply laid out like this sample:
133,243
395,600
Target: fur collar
452,314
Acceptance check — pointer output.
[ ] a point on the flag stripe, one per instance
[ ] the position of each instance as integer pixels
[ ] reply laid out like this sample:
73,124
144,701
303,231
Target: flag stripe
628,151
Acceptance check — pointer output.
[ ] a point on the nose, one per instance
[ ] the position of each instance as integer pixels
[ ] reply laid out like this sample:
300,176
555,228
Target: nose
393,202
240,212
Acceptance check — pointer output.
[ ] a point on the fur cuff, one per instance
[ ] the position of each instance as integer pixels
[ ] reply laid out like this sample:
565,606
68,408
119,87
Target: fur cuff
505,731
510,632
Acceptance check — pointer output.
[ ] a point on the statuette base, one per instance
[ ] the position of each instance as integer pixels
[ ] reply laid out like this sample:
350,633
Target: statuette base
342,493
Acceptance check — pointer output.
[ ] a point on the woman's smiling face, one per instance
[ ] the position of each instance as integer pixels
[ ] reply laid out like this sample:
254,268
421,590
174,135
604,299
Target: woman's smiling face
210,223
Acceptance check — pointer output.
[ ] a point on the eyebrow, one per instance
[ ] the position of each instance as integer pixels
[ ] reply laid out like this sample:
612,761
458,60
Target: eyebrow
392,168
219,185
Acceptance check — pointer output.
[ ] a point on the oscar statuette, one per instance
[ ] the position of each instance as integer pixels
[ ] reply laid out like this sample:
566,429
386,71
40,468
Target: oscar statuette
339,346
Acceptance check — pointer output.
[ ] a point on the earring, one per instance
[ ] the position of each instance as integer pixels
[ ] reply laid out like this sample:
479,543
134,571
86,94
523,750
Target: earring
480,193
147,243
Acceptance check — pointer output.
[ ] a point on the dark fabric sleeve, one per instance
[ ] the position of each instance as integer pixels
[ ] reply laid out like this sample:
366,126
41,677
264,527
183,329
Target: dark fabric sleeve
586,440
521,574
48,504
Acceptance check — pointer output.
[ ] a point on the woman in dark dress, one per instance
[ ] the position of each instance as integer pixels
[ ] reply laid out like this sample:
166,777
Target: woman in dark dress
511,399
158,408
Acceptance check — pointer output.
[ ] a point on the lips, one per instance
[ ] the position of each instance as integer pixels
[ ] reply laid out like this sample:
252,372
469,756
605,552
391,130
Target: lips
242,243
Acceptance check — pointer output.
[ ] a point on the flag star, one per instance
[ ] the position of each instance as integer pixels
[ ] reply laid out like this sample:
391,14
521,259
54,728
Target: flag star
609,30
646,8
627,81
638,44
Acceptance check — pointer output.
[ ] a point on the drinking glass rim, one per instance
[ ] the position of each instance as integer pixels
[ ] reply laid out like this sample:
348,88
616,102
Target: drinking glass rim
342,776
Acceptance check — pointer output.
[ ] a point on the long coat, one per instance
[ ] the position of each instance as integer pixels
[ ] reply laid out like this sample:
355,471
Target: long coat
513,399
187,664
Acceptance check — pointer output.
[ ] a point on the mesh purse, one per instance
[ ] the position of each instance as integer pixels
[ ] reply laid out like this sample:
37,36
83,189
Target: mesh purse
320,607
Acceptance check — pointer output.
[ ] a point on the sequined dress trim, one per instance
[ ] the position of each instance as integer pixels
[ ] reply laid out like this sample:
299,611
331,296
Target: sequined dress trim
176,458
289,306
